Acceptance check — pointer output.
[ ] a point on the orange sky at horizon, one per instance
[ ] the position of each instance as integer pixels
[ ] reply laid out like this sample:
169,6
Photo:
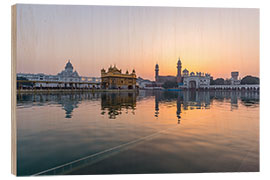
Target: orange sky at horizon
211,40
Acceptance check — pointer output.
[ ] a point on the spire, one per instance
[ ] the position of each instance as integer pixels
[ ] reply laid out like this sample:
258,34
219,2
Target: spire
179,61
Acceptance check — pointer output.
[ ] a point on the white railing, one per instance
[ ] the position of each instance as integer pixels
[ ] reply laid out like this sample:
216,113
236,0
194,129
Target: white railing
227,87
234,86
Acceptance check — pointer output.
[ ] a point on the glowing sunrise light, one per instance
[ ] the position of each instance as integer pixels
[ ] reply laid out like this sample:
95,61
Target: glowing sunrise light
211,40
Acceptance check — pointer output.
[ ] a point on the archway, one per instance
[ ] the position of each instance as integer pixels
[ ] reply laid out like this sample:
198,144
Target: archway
192,84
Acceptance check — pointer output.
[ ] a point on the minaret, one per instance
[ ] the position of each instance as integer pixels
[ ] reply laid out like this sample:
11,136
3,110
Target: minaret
156,70
179,68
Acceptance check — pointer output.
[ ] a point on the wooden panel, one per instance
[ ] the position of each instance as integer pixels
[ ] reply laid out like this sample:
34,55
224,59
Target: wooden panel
13,90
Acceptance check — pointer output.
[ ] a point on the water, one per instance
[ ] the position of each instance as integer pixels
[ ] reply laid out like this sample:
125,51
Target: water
145,132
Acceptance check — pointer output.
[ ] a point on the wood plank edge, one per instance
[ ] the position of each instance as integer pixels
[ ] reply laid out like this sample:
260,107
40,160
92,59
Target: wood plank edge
13,89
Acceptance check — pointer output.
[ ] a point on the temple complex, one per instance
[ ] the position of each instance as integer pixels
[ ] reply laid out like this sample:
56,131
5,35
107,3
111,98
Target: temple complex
184,79
66,79
115,79
161,79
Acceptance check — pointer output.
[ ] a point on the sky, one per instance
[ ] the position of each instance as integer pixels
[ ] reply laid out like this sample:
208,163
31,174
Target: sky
211,40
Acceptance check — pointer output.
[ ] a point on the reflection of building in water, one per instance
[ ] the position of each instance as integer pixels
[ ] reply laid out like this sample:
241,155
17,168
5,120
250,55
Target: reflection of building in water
189,100
68,101
196,100
234,100
178,112
115,103
156,106
245,97
161,97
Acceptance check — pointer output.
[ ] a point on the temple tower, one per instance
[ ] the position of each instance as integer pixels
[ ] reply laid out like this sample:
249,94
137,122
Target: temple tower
156,70
179,68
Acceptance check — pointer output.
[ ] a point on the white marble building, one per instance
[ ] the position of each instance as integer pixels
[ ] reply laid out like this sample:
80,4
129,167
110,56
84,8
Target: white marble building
66,79
195,81
234,79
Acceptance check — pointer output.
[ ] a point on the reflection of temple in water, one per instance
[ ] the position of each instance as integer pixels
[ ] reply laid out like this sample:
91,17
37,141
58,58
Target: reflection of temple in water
167,97
196,100
116,103
190,100
68,101
178,111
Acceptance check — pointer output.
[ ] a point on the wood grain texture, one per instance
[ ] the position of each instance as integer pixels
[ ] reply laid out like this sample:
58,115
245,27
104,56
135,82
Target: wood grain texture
13,90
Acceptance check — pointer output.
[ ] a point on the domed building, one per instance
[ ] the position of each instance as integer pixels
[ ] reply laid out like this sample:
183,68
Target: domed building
68,78
115,79
69,73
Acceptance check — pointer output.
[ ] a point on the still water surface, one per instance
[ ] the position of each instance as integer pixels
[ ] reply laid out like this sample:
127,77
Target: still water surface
145,132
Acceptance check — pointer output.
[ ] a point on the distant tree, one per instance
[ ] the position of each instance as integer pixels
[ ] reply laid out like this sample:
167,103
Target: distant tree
170,84
219,81
212,82
250,80
227,82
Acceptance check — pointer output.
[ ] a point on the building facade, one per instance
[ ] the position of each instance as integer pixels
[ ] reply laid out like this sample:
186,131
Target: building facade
195,81
147,84
162,79
184,79
115,79
68,78
234,79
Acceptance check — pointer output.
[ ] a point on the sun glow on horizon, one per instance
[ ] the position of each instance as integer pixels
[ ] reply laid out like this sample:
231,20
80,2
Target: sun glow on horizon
211,40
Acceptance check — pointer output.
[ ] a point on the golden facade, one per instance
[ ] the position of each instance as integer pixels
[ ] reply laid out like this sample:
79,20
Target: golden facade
115,79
